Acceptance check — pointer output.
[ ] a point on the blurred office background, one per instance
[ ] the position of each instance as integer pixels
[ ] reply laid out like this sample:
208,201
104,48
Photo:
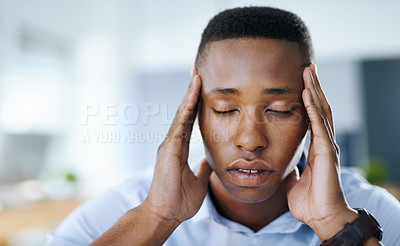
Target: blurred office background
89,88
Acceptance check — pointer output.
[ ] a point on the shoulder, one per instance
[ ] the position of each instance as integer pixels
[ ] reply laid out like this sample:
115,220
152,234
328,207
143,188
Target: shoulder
94,217
359,191
381,204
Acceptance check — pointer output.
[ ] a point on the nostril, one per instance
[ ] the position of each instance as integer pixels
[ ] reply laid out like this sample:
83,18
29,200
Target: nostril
260,148
251,148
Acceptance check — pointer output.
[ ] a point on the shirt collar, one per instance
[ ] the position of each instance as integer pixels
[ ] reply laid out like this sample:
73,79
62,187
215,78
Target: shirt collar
285,223
206,211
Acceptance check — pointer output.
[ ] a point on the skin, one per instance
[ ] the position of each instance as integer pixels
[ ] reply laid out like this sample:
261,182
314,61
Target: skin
254,126
252,131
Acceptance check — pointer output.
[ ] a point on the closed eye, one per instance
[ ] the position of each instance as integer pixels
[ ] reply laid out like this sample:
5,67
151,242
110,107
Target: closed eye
280,112
224,111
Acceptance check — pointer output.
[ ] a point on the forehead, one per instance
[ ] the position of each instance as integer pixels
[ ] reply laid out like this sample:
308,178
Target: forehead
252,63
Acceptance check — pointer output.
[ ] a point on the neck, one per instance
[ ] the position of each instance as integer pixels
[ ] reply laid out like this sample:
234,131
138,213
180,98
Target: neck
253,215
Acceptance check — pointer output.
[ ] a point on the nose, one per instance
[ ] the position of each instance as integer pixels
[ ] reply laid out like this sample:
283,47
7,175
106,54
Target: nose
251,136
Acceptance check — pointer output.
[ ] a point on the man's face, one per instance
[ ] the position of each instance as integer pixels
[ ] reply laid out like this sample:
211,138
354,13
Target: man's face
251,116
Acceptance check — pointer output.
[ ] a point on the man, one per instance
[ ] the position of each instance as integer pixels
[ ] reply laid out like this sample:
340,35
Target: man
254,86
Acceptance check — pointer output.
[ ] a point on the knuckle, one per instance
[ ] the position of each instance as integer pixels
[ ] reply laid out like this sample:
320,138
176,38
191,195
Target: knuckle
177,136
310,108
181,123
182,114
187,109
177,123
184,107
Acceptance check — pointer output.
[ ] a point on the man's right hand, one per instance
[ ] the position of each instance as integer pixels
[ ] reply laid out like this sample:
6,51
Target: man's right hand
176,193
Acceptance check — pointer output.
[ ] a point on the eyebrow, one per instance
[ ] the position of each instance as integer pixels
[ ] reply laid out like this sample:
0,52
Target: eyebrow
279,91
224,91
269,91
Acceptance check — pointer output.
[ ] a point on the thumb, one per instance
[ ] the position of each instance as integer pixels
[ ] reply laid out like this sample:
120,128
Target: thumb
292,179
204,172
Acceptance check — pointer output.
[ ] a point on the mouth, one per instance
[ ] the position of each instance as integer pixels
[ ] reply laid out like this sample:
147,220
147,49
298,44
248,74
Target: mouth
249,174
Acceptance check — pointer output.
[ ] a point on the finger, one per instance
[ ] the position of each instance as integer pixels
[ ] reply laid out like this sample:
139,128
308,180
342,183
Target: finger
176,134
204,172
326,108
318,122
320,103
186,108
321,94
188,130
190,122
309,83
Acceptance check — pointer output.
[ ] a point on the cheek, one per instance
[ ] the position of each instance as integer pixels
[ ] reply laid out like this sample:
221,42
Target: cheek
286,144
215,128
216,134
289,129
286,136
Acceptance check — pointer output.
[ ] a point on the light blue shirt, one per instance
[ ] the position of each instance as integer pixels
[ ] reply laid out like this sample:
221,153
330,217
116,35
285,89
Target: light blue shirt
208,227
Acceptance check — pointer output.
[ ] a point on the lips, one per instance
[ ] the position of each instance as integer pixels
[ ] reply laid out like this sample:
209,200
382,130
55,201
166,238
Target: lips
249,174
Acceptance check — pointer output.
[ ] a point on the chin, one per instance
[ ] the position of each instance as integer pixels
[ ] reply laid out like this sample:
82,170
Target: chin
252,194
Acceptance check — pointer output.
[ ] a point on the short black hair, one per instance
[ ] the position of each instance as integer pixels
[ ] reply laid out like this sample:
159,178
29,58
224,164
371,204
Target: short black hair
257,22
